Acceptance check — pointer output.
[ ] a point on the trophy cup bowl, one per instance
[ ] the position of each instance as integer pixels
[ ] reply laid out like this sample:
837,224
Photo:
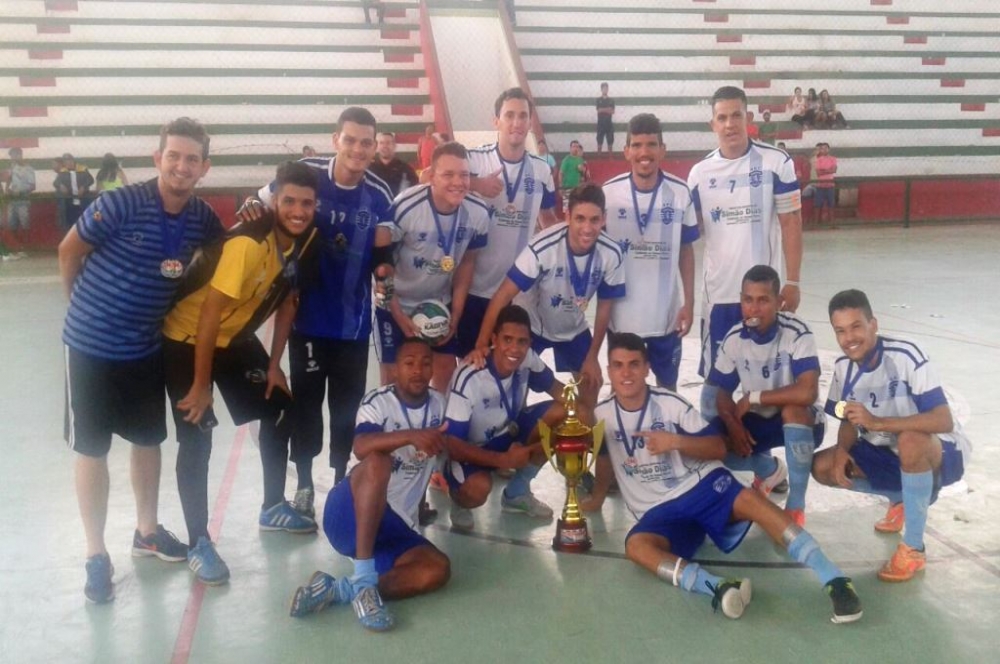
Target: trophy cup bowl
572,448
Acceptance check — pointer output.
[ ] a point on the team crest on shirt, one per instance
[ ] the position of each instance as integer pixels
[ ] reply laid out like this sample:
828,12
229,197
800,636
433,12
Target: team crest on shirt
397,463
559,273
624,244
529,184
622,213
630,466
712,183
556,300
722,483
363,218
421,237
716,214
756,176
462,232
893,385
419,262
666,215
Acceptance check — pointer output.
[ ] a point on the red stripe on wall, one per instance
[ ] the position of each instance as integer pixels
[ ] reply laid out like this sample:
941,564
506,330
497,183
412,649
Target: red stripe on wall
61,6
974,107
407,109
952,82
395,33
742,60
7,143
716,17
933,61
915,39
52,28
757,83
39,54
991,132
728,39
897,20
397,57
29,111
408,82
37,81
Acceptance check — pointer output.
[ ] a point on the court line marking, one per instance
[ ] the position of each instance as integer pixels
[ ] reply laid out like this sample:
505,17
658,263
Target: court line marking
963,552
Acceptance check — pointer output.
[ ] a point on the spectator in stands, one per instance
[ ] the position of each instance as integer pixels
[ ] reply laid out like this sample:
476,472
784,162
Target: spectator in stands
807,176
110,176
825,196
753,131
572,171
19,185
605,125
543,152
379,8
308,151
768,129
72,184
397,173
812,107
781,146
798,106
425,147
827,115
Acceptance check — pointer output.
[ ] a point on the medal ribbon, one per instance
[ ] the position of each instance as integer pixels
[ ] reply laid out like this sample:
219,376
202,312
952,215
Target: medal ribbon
406,410
850,382
446,244
512,189
643,221
171,239
580,281
508,405
627,439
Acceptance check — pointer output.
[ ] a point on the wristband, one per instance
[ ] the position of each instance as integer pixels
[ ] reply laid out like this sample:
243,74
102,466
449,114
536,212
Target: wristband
754,398
792,283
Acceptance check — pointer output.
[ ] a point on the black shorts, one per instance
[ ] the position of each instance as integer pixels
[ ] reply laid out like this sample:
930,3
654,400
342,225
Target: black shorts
106,397
605,131
239,371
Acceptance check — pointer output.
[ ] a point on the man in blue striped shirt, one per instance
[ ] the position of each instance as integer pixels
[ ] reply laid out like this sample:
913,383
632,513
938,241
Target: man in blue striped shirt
121,264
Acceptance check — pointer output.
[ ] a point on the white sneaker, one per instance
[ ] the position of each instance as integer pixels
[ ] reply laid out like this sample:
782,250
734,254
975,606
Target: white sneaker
732,596
304,502
525,504
461,517
766,485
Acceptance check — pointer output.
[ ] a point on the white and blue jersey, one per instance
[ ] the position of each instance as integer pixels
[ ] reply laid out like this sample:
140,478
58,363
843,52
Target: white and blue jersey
646,479
481,405
557,285
739,201
425,236
528,189
120,296
339,304
381,411
765,361
901,384
650,227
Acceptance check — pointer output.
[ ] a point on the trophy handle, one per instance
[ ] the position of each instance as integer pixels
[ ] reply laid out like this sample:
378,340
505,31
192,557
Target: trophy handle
545,432
598,434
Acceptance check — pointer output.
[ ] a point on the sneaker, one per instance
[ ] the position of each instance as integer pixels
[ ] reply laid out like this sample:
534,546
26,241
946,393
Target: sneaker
781,487
99,589
206,564
766,485
525,504
438,482
798,516
846,603
321,591
162,543
903,565
12,257
305,502
426,515
284,516
893,520
732,596
461,517
371,611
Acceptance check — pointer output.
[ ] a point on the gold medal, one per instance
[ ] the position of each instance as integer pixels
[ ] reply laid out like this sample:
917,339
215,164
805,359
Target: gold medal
172,269
840,409
447,264
513,429
582,302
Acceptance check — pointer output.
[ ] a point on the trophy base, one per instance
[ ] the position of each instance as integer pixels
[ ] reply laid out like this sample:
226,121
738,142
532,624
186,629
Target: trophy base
571,537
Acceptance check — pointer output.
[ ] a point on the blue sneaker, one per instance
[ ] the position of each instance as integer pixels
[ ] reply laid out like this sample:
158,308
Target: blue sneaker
321,591
371,611
206,564
283,516
99,589
162,543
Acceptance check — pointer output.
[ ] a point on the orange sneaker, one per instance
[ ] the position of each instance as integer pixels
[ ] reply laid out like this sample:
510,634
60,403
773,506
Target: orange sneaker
893,520
903,565
438,482
798,516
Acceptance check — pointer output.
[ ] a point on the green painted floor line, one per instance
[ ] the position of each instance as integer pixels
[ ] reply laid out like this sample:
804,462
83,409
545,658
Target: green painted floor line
203,23
748,31
297,47
218,100
590,52
751,75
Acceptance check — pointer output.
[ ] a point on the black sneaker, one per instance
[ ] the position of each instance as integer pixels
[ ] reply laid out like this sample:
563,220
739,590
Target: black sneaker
846,603
732,596
99,589
162,544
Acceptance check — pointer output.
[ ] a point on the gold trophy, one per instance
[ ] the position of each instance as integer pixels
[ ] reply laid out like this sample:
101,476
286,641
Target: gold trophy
568,447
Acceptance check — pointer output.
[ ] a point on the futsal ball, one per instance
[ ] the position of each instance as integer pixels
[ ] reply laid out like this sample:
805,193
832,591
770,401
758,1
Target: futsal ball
432,320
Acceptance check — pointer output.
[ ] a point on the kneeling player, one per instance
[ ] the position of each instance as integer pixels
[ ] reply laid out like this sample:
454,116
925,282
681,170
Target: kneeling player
666,458
773,357
897,437
372,517
488,417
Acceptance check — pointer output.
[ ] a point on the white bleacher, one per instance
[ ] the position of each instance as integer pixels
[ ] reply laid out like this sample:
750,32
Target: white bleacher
586,61
210,85
703,89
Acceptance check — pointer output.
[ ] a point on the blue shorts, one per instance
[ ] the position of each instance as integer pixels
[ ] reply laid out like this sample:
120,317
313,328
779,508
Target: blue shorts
881,465
769,432
706,509
470,323
721,319
569,354
825,197
393,539
456,472
390,336
665,357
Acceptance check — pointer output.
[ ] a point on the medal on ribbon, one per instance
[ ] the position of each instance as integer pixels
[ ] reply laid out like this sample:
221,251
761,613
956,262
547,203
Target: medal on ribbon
580,280
840,408
643,219
508,185
446,241
171,239
510,405
628,440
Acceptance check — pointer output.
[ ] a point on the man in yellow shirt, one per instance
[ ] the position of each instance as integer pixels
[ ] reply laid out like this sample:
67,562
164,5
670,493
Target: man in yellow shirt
210,337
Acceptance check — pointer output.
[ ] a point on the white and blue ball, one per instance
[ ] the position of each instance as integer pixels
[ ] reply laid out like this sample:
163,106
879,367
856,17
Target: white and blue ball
432,320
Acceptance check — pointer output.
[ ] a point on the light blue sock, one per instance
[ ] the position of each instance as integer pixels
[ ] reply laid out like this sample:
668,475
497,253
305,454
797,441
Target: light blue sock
736,462
364,573
763,464
799,457
862,485
805,550
708,407
520,484
344,592
694,579
917,489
